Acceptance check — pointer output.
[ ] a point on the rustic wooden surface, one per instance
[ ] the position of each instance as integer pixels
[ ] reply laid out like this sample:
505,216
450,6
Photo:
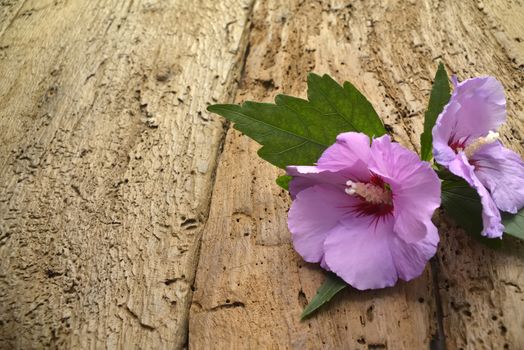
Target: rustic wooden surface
107,158
115,231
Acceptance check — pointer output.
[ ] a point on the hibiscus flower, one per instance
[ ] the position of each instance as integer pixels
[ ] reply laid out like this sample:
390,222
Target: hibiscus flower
364,211
466,142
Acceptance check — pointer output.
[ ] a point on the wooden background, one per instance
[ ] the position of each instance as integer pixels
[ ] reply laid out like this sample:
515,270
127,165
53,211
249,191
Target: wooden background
131,218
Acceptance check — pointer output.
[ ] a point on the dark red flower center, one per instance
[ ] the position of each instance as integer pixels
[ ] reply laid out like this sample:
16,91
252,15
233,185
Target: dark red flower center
457,144
376,198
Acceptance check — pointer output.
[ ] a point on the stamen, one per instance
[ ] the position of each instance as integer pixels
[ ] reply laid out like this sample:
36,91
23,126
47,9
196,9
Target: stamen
473,147
370,192
350,189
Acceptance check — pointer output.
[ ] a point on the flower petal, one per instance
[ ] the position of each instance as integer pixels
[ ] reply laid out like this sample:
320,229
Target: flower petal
393,161
307,176
323,264
411,258
360,253
345,160
476,106
314,212
502,172
414,184
412,226
490,214
349,153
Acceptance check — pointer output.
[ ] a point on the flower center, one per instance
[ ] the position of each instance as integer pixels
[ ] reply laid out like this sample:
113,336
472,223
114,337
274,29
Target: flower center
473,147
376,198
370,192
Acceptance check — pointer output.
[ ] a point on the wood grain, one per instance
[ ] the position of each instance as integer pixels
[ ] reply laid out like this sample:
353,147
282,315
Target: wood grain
106,165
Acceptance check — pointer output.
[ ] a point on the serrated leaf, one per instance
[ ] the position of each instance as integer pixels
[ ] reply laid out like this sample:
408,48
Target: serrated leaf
440,95
514,224
346,102
293,131
331,286
462,203
283,181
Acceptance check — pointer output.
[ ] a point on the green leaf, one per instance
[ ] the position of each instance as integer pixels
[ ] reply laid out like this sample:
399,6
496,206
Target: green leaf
331,286
283,181
514,224
462,203
440,94
293,131
346,102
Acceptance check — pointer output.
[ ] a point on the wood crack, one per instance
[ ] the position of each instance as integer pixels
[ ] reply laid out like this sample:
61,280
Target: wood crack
234,79
232,305
137,318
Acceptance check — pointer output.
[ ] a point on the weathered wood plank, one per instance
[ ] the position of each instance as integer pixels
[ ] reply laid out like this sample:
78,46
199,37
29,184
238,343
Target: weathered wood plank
251,286
106,165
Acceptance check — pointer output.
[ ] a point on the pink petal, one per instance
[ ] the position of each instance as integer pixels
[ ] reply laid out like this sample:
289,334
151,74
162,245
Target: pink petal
307,176
490,214
323,264
349,153
360,253
415,187
502,172
411,258
393,161
476,106
315,211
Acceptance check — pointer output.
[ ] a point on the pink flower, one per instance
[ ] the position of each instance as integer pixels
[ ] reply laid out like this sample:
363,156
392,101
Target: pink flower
466,142
364,211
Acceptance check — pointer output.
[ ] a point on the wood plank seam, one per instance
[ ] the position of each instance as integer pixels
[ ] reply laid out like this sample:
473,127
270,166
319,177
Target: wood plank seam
235,78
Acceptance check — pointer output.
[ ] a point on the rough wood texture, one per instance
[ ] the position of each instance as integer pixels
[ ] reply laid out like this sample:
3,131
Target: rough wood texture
107,160
106,165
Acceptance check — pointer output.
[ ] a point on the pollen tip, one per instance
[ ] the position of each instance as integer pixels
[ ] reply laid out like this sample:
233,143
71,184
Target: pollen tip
492,136
350,191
